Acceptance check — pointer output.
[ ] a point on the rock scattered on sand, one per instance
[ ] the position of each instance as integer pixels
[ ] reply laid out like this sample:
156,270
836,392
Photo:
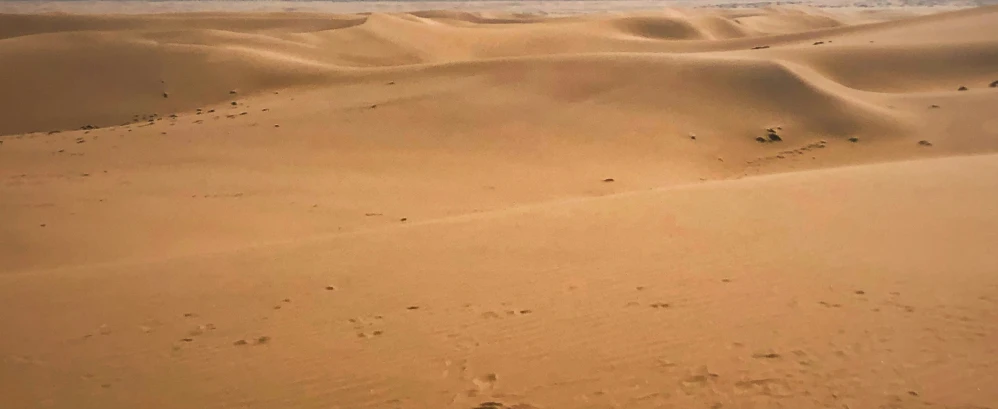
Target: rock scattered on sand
993,84
854,139
760,139
232,92
760,47
330,288
240,342
166,95
924,143
818,43
234,103
608,180
933,106
962,88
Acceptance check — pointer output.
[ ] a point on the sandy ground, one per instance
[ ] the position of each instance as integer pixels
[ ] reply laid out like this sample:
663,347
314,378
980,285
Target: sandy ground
694,208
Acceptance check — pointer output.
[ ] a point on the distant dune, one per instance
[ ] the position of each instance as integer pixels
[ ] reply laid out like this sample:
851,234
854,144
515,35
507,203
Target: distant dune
682,207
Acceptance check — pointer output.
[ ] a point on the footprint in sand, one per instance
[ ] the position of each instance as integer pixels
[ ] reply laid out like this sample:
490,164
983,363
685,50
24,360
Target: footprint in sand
767,386
201,329
371,334
766,355
698,380
484,383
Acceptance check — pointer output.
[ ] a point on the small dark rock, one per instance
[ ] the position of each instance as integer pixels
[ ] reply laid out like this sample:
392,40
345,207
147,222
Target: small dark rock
933,106
819,43
403,219
412,307
760,47
165,95
760,139
234,103
854,139
774,137
263,340
924,143
993,84
962,89
330,288
860,292
232,92
240,342
608,180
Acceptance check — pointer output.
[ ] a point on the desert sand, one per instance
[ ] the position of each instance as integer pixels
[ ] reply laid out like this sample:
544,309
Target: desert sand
783,207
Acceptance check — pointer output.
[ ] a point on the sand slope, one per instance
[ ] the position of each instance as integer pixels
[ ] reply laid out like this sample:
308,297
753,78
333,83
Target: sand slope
640,300
440,209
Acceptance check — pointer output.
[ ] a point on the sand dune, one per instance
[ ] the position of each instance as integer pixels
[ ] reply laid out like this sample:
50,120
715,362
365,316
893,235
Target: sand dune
696,208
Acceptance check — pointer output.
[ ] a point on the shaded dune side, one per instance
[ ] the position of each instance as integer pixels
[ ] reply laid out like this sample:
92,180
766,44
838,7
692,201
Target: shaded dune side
906,69
784,21
659,28
65,80
116,77
16,25
729,96
454,16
